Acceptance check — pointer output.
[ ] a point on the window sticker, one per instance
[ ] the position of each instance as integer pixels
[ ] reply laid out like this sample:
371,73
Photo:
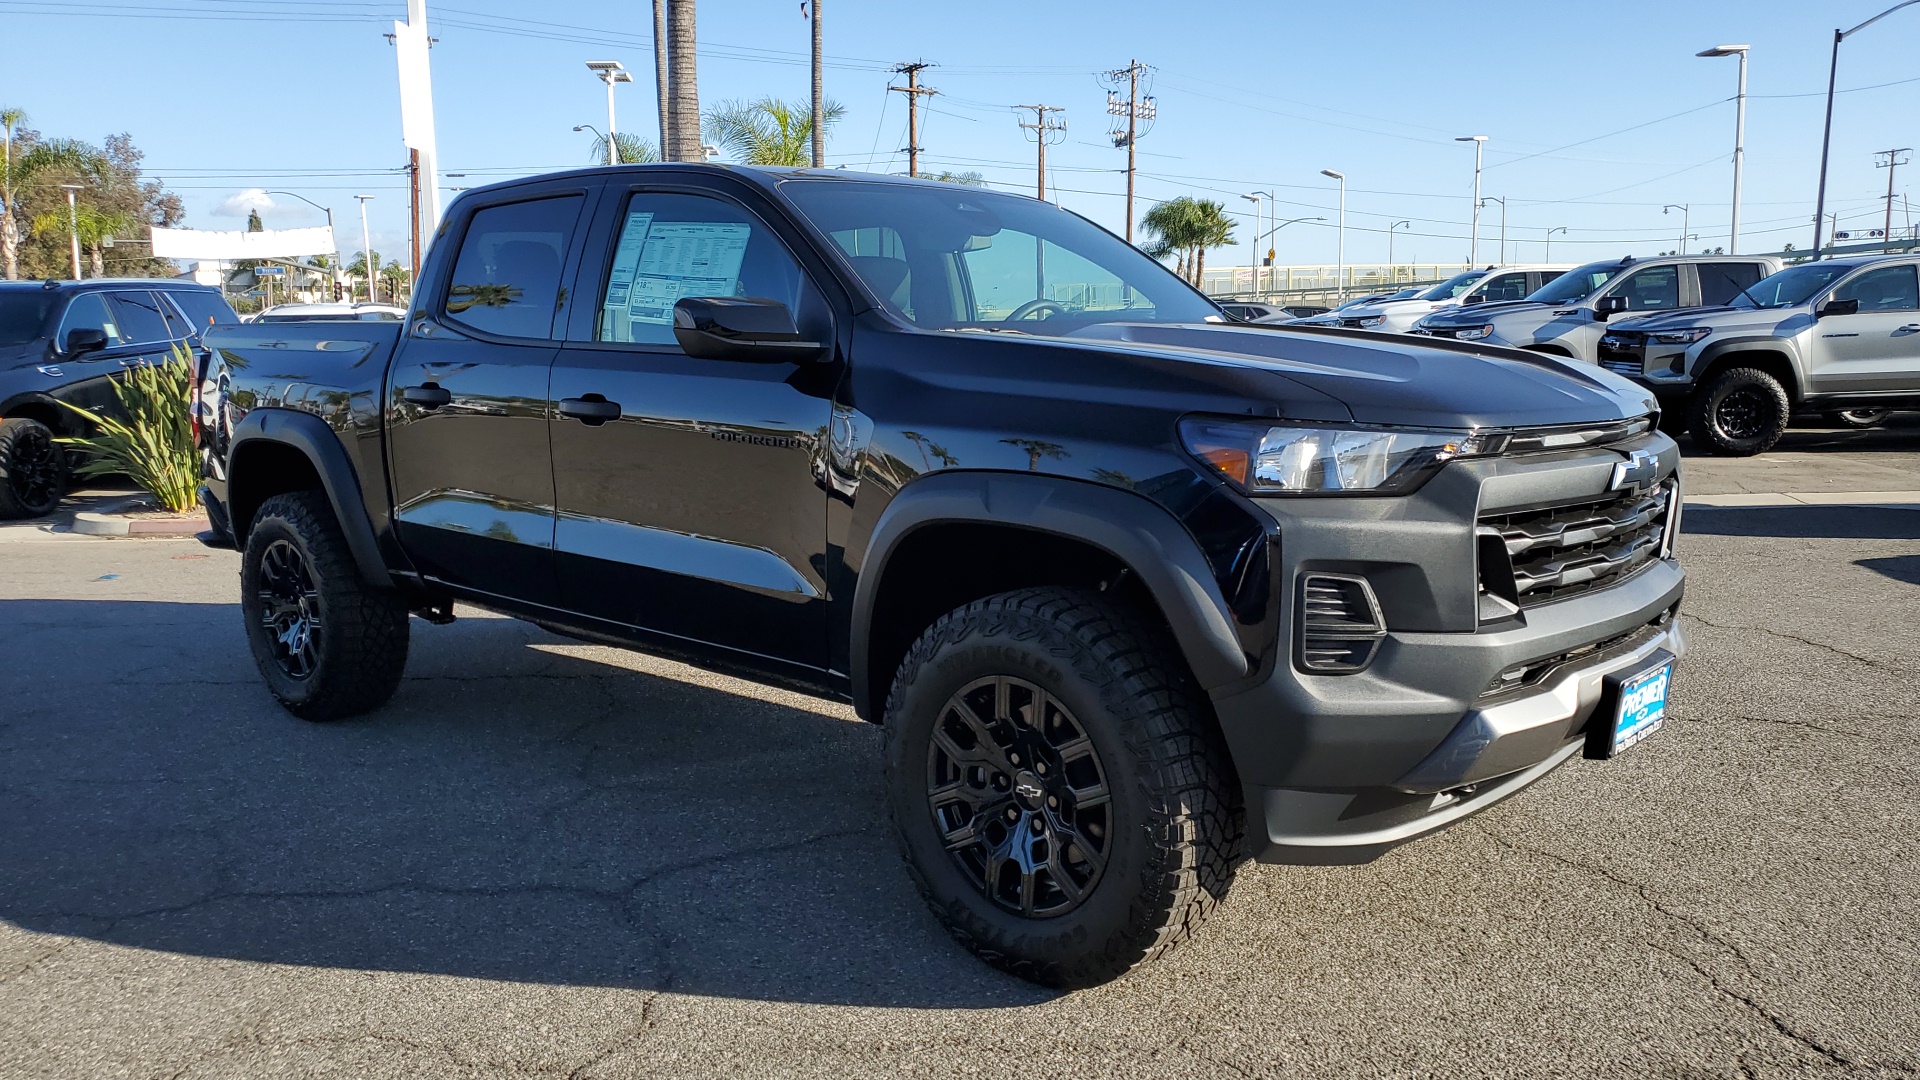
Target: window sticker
686,258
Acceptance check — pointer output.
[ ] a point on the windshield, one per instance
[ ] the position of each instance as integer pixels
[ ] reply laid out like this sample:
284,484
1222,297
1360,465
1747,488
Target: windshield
966,259
1451,288
1794,285
1576,283
22,314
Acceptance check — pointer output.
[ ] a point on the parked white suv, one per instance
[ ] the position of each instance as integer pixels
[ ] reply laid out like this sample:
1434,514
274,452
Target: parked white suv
1840,336
1397,314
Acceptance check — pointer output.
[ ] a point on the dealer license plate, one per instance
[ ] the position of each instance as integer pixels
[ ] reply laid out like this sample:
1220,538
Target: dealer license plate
1639,709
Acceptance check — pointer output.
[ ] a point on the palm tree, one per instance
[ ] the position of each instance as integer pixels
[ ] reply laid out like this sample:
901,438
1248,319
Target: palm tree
395,276
68,156
683,84
358,269
1185,228
634,150
768,131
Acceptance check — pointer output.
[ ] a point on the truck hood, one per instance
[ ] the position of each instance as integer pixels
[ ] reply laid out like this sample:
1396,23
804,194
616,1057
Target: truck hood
1391,379
1720,319
1475,314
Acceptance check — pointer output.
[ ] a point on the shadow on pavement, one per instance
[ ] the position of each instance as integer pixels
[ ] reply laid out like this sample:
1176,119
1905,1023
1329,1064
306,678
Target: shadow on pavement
515,813
1804,522
1900,567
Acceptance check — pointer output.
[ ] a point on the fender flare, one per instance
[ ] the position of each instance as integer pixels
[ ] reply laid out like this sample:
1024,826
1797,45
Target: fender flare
1717,350
311,436
1137,531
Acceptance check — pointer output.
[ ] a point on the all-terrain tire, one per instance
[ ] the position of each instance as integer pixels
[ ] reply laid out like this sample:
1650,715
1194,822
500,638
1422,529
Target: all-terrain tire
357,650
33,469
1739,413
1858,419
1174,821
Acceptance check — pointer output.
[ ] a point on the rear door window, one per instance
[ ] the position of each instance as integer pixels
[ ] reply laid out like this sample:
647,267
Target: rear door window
1657,288
1721,282
506,278
141,322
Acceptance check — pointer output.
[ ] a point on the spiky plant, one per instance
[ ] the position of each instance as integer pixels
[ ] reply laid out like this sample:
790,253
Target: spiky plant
154,445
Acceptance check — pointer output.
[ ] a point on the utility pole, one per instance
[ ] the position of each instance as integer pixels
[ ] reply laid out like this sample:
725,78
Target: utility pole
413,184
1892,162
1044,132
1479,144
1134,109
914,91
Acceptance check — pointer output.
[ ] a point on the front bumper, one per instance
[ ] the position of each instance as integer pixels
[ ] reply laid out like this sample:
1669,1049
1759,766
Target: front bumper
1340,768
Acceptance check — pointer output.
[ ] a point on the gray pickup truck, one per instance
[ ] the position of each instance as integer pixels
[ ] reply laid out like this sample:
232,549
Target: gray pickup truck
1840,337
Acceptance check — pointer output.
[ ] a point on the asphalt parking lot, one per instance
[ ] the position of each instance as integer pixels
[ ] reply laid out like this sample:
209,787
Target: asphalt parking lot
551,859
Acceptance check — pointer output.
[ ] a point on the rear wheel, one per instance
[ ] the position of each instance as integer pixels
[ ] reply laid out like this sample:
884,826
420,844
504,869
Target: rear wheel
33,469
1057,786
1860,419
1739,412
328,644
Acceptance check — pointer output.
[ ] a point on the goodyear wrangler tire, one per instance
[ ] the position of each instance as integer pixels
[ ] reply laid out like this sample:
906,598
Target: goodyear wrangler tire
1058,787
328,644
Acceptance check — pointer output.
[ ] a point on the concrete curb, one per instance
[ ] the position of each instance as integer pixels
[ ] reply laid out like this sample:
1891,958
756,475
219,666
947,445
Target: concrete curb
115,525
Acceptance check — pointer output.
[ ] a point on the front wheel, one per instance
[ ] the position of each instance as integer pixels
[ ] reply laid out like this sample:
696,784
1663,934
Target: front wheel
1058,787
1858,419
1739,413
328,644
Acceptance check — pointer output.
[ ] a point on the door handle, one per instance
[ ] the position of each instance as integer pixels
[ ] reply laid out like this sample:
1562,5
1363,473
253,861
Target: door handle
591,410
428,396
1910,328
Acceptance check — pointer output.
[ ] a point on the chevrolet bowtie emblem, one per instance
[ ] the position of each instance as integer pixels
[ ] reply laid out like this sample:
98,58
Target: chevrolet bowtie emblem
1636,473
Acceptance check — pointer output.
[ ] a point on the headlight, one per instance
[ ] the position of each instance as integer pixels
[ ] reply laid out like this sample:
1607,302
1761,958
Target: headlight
1679,337
1288,459
1473,333
1370,321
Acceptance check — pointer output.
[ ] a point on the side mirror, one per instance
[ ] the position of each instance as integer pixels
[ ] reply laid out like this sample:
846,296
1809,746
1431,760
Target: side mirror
1609,305
1473,298
84,339
749,328
1838,307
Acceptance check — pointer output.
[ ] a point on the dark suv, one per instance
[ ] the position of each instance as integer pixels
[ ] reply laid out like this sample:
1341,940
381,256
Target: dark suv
1135,590
64,341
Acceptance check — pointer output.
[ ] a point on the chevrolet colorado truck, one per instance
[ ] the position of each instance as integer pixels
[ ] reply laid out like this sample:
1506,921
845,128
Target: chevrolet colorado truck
1493,285
1567,315
1840,337
1136,591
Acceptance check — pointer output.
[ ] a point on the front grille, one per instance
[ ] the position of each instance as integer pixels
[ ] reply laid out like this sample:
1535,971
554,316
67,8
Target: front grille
1623,365
1566,550
1431,331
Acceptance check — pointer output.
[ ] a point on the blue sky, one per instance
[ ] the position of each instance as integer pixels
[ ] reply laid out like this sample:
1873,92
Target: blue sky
231,95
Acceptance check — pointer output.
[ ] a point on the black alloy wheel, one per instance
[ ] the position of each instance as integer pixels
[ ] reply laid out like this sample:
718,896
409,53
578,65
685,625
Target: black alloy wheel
35,467
1858,419
1018,796
290,609
1739,413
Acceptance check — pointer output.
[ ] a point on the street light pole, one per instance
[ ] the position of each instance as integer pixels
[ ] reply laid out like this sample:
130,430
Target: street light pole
73,223
366,250
1826,137
1739,136
1258,199
1550,232
610,72
1341,274
1503,225
1479,144
1685,214
1391,276
333,275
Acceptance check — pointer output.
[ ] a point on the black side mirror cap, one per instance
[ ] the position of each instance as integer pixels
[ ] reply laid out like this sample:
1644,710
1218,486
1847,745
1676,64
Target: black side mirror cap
1609,305
749,328
84,339
1473,298
1838,307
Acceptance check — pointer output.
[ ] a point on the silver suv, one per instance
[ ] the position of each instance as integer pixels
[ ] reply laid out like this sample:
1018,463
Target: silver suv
1841,337
1567,316
1397,313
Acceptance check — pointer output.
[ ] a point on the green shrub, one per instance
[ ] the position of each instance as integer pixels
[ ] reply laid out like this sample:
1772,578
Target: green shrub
154,445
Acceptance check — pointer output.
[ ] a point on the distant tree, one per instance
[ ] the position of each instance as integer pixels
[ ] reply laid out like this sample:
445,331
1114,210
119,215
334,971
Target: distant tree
768,131
1184,229
254,223
95,227
634,150
111,184
969,177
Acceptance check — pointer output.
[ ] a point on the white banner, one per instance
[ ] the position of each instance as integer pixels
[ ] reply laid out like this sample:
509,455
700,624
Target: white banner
270,244
416,111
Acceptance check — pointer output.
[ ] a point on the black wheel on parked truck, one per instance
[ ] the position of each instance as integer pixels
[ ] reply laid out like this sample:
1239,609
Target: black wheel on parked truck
329,645
33,469
1058,786
1740,412
1859,419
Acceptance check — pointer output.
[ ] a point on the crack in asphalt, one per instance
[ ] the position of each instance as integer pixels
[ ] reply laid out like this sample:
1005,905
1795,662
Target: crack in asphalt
1803,724
632,1038
1834,649
1778,1023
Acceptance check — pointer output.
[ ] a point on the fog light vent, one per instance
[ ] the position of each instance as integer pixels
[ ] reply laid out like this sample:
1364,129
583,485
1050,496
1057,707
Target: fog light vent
1340,625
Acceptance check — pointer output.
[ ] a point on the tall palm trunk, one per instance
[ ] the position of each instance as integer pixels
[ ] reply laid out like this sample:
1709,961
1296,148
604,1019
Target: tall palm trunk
660,73
1199,265
9,232
819,95
97,258
683,83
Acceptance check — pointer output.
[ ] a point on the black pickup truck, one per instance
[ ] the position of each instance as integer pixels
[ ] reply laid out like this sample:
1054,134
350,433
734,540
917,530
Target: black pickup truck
1137,591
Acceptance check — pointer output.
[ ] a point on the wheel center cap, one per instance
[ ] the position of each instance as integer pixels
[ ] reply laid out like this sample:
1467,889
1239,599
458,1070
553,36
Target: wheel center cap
1028,790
